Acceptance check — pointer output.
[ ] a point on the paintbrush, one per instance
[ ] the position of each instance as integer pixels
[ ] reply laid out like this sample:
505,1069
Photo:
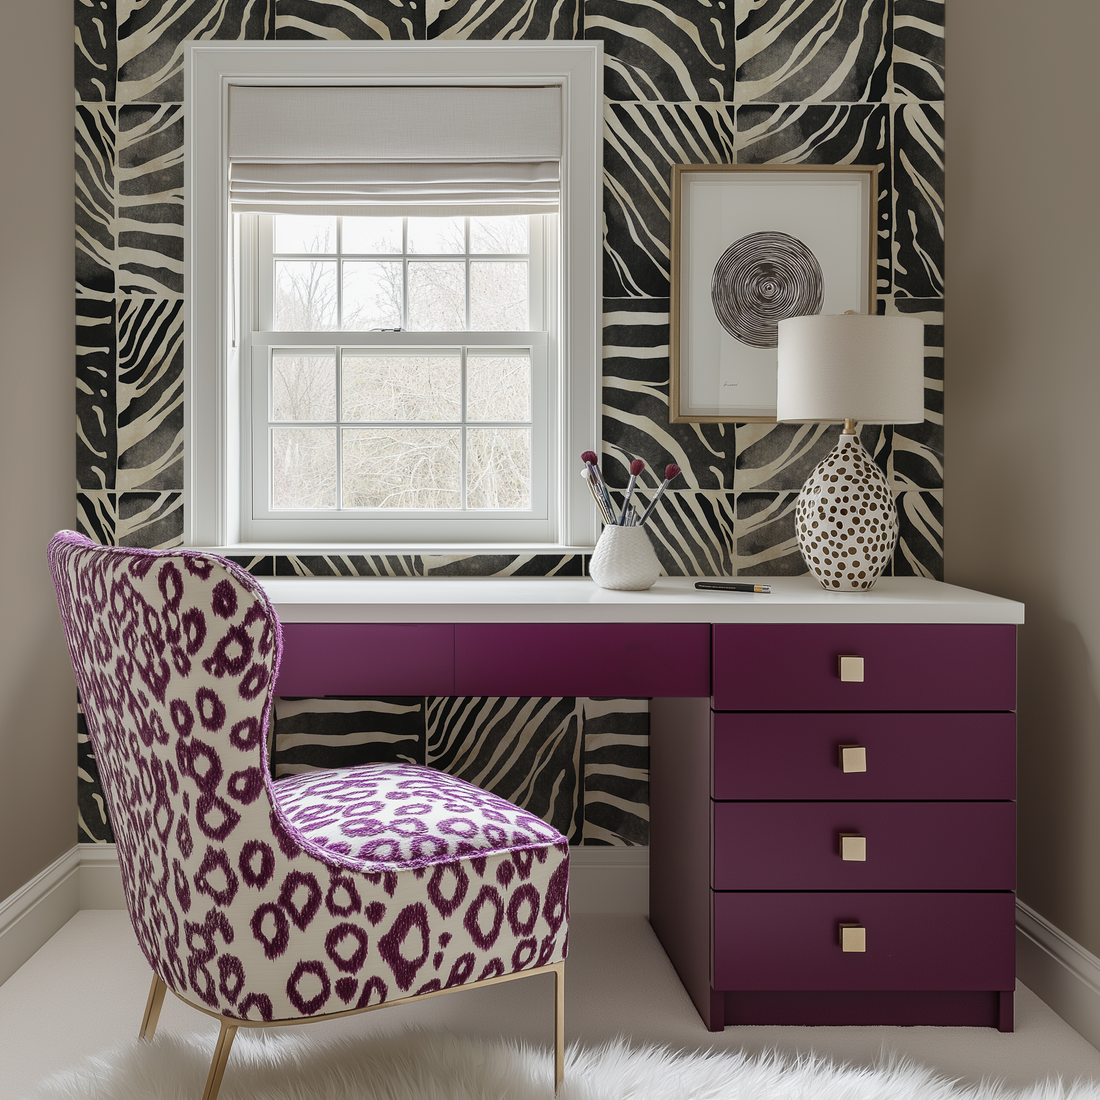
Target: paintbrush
590,460
608,518
636,467
671,471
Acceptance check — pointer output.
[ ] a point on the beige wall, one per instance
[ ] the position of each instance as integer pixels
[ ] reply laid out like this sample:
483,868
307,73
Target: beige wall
1023,397
37,724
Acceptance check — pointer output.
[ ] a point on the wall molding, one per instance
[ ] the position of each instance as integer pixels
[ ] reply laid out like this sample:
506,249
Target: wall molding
1059,970
34,912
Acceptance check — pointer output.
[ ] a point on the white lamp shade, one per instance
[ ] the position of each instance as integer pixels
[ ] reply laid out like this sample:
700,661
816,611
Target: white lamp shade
853,365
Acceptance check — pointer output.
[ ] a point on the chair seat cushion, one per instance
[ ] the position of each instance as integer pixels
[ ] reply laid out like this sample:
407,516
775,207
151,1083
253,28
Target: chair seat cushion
379,817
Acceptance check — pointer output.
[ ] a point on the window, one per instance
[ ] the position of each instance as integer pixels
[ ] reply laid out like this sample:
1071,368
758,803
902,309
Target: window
388,378
352,430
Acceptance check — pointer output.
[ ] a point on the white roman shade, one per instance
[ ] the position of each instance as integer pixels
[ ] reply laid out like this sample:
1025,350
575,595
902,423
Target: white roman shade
394,150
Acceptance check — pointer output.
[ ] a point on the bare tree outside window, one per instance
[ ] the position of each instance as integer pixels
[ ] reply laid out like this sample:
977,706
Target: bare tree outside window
371,410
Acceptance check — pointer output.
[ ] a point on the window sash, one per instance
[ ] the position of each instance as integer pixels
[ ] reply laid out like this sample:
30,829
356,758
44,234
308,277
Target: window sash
262,523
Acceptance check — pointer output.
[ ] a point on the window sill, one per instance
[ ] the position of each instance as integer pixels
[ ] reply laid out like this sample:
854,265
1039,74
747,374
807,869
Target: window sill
393,550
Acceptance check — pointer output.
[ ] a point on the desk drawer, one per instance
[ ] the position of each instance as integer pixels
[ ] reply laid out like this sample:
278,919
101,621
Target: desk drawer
909,756
367,659
907,845
906,666
611,659
789,941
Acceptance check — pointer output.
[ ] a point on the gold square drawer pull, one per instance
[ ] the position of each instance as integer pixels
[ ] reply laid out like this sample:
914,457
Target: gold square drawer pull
850,669
853,848
853,758
853,937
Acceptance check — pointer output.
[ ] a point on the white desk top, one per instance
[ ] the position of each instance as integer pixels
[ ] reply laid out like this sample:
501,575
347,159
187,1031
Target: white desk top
580,599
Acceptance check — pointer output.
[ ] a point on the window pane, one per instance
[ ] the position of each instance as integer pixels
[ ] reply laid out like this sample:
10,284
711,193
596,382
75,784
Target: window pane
305,295
303,387
372,235
303,468
498,387
498,296
498,468
402,467
402,387
437,236
504,234
299,233
437,296
372,295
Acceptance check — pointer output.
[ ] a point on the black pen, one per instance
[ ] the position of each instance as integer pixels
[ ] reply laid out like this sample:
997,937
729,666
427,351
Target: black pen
732,586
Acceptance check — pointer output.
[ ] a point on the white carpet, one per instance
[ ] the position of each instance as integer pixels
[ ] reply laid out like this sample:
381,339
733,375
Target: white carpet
421,1066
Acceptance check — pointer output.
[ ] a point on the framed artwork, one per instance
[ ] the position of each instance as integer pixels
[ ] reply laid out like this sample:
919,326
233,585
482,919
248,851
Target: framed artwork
753,244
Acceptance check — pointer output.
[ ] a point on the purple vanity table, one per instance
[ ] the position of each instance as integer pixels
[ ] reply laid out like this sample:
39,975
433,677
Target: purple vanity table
832,775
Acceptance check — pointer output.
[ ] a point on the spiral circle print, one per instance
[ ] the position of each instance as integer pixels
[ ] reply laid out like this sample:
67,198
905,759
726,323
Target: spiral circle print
762,279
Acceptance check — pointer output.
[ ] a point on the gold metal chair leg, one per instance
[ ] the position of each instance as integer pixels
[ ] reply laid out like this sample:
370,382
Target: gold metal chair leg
152,1009
559,1024
221,1056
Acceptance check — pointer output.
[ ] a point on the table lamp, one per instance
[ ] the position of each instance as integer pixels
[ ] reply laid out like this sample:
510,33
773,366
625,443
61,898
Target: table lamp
846,368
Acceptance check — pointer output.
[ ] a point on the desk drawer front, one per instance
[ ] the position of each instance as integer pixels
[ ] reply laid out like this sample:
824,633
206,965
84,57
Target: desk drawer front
907,666
610,659
907,756
787,941
907,846
367,659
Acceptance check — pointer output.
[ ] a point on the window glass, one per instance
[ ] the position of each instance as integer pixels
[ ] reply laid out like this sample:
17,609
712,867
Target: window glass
402,468
372,236
498,296
303,387
305,296
301,233
437,236
402,387
498,387
303,468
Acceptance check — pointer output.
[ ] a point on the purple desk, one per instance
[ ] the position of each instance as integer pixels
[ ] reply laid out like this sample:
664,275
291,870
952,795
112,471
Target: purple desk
832,842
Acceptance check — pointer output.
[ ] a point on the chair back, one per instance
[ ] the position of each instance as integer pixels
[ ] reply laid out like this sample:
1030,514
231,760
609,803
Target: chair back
175,655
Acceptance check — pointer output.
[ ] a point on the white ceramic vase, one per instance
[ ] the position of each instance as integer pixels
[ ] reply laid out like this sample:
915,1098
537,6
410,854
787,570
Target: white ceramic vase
624,560
846,519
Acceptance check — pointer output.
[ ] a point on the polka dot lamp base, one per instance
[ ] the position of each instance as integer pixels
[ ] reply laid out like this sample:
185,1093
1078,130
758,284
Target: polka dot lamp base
846,519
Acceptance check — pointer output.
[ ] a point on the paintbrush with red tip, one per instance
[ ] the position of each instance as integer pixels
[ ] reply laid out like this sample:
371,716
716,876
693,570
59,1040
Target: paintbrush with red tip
671,471
636,467
595,482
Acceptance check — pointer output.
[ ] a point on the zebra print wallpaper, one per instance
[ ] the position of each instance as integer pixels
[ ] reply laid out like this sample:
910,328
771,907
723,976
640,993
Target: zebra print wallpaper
686,81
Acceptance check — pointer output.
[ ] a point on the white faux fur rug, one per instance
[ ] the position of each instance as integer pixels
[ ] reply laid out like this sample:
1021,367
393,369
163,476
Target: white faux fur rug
416,1066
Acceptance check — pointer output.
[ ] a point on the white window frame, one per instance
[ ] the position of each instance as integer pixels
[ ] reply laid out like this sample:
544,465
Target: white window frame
213,382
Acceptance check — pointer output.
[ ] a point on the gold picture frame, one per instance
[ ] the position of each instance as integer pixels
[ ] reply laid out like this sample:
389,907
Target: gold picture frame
764,238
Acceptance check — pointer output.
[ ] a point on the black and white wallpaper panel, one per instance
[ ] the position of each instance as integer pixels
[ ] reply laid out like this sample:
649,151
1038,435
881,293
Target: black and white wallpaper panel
686,81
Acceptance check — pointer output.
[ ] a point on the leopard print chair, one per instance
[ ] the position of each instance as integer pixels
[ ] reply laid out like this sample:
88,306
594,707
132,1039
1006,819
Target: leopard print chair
264,902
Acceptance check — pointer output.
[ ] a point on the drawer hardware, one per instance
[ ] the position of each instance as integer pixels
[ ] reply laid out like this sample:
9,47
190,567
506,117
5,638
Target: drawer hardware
853,847
853,758
850,669
853,937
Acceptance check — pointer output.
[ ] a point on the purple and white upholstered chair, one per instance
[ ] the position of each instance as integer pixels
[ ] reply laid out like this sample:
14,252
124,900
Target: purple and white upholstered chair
316,896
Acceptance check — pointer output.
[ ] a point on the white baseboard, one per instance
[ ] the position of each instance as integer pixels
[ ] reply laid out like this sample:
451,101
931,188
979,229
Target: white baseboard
100,878
1060,971
30,916
602,880
609,880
